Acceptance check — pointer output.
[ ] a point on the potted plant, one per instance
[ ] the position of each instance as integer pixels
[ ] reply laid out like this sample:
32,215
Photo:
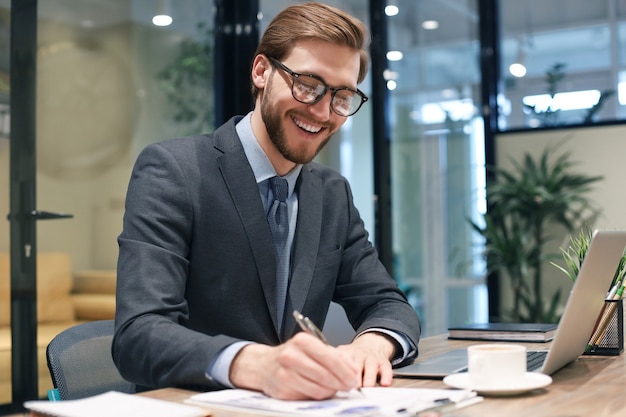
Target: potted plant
574,255
187,82
525,204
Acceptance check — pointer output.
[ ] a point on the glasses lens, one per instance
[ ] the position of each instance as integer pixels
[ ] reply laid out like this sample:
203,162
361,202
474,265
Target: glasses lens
308,89
346,102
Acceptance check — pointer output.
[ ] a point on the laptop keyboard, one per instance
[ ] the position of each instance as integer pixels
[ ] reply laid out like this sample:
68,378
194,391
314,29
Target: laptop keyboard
534,359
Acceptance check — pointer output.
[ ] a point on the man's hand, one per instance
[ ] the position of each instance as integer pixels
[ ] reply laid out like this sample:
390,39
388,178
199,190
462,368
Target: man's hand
301,368
372,352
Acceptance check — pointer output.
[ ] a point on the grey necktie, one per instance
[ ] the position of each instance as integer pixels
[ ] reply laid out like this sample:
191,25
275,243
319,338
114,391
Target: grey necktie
279,225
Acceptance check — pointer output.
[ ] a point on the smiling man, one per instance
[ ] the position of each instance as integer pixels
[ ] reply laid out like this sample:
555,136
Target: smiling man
213,259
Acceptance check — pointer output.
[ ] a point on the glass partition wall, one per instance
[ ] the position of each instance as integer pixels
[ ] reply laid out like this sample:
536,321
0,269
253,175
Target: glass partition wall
436,150
437,158
109,81
563,63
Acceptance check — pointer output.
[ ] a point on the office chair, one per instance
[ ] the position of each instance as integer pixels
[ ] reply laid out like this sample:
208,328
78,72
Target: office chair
337,328
80,362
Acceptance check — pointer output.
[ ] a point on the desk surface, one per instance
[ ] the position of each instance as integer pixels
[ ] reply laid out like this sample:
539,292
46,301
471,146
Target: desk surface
590,386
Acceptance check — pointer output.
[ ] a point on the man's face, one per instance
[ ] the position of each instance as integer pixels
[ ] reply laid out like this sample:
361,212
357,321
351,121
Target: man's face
299,131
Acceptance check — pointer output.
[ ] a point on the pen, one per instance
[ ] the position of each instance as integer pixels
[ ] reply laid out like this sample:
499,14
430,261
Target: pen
604,321
448,405
610,296
613,290
308,326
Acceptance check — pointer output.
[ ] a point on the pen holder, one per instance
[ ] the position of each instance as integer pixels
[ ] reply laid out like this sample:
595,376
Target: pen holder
608,336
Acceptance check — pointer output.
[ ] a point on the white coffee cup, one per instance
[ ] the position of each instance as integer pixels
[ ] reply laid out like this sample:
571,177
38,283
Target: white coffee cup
496,365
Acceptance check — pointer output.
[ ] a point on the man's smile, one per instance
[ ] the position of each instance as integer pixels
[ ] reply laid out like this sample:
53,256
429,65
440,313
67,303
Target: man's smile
307,126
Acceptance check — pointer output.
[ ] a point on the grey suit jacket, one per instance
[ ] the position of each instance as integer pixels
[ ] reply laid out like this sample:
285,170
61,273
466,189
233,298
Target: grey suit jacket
196,267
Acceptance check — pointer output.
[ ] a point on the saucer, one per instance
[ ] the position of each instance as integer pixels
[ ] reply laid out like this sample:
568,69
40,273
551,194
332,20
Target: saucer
531,381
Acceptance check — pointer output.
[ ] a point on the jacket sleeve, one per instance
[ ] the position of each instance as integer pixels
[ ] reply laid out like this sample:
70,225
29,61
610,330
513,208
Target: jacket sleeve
368,294
150,347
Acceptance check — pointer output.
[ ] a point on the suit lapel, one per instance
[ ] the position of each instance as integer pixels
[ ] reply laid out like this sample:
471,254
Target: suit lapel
241,184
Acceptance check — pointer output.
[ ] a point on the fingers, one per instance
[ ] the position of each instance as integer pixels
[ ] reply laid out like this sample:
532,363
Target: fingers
302,368
288,385
306,368
319,367
377,371
372,352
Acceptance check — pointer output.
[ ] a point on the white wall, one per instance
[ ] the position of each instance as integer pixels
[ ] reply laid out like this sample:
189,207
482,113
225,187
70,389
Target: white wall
597,151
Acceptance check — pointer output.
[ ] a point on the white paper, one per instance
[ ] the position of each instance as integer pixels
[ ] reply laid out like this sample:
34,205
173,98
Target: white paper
377,401
115,404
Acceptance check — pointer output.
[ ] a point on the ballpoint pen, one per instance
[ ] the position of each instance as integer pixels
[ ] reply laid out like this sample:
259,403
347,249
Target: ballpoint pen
308,326
606,315
448,405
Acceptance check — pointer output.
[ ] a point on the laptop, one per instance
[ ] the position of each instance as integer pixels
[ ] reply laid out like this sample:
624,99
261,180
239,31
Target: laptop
577,322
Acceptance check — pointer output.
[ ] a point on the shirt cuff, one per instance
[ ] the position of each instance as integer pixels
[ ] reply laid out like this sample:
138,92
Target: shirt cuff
219,369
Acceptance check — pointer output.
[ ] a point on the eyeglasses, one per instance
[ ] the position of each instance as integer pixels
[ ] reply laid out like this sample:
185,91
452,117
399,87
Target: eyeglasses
309,89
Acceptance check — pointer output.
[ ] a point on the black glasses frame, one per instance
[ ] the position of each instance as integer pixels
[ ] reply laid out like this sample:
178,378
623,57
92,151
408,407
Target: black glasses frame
296,75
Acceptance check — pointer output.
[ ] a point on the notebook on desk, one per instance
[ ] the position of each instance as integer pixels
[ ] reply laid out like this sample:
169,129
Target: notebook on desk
577,322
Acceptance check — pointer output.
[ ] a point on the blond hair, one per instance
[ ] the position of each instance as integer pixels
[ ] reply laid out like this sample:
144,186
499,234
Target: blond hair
314,21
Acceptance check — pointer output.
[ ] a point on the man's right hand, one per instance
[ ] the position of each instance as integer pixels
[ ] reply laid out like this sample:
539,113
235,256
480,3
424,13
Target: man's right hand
301,368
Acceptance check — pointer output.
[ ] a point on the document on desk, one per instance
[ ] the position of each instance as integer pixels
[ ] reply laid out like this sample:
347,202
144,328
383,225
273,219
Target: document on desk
114,404
376,401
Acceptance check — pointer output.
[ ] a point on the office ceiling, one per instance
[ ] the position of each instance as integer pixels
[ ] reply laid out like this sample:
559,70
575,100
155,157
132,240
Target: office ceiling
456,16
522,21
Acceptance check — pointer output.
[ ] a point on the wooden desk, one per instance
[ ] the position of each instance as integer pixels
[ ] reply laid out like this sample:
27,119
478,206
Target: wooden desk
590,386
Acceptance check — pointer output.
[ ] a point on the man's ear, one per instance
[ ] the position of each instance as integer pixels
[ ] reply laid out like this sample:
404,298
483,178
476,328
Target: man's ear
261,69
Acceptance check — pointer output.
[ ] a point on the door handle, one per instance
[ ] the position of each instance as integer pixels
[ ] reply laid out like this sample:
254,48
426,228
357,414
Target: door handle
42,215
49,215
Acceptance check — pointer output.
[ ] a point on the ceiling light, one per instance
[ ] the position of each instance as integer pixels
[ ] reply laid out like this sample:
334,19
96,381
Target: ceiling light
448,93
391,10
394,55
162,16
390,75
572,100
162,20
430,24
517,69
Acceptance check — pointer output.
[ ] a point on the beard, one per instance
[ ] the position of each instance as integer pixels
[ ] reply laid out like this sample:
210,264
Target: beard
273,125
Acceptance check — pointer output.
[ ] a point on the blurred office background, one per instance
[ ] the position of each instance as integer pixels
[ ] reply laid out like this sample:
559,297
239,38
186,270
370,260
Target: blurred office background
444,102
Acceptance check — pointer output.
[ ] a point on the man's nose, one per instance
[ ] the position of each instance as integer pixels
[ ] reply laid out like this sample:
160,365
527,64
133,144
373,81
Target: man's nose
321,109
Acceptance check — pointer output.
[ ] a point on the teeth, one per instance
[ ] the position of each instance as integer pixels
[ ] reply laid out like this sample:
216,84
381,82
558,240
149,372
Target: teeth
307,127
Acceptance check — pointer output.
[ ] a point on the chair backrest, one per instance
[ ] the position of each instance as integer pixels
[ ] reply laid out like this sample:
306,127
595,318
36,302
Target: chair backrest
337,328
80,361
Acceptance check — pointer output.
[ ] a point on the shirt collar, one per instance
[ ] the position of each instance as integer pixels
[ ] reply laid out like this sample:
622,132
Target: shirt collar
260,163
